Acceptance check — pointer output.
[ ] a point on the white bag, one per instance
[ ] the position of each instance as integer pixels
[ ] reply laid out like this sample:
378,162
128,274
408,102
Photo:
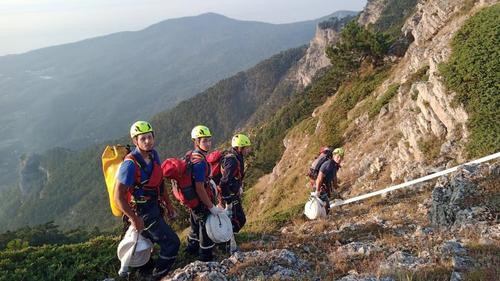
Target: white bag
134,250
315,208
219,228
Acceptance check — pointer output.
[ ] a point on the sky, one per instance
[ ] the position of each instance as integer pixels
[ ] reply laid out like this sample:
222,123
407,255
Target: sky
31,24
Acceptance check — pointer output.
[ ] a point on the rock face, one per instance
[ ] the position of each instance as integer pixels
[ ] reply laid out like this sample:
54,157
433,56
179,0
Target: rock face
327,33
403,260
457,201
426,130
256,265
372,11
31,175
357,248
393,237
418,132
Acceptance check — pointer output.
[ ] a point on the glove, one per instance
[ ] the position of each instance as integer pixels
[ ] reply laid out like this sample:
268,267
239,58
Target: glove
216,210
315,194
229,210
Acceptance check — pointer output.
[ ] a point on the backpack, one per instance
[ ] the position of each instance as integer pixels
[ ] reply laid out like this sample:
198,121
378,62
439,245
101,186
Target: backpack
316,165
215,159
179,171
112,157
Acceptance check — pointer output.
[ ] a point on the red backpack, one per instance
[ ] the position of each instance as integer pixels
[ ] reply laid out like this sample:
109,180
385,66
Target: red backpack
324,155
214,159
179,171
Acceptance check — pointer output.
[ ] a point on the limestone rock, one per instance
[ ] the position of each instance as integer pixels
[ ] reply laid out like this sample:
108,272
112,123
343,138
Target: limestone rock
452,195
403,260
372,11
277,264
357,248
358,278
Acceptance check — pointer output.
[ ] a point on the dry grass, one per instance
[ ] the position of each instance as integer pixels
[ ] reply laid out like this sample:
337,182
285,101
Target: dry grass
425,274
321,226
488,256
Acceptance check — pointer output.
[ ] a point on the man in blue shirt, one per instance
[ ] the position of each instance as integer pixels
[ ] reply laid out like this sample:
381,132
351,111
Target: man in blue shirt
327,177
198,240
139,191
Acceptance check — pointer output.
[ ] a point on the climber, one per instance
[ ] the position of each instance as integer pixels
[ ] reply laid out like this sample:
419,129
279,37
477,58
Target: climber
231,183
198,240
326,181
140,191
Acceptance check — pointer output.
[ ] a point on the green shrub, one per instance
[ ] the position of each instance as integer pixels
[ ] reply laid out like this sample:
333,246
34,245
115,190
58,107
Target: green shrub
430,146
17,244
357,44
421,74
473,72
383,100
268,138
393,16
44,234
348,97
93,260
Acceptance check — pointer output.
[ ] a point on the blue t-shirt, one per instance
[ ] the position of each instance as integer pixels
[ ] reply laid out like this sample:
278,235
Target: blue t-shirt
200,169
329,168
126,174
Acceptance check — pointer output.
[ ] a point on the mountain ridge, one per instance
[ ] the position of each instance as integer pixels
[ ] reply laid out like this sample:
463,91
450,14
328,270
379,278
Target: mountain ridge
88,91
51,68
392,113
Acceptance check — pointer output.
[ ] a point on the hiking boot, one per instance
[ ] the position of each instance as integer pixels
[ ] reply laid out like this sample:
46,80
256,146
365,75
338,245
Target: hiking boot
206,255
146,269
192,249
162,268
159,273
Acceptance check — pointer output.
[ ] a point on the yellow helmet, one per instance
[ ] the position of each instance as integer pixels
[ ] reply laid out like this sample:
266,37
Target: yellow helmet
200,131
240,140
339,151
139,128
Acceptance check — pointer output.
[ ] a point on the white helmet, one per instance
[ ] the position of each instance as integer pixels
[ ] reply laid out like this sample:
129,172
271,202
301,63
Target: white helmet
314,208
219,228
134,250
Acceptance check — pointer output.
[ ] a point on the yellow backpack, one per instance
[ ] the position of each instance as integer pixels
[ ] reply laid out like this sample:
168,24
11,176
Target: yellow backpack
112,157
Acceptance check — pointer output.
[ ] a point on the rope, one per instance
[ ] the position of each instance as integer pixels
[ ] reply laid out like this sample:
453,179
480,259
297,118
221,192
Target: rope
336,203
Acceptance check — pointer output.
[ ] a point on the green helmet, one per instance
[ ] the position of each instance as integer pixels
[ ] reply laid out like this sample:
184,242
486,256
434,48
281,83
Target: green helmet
139,128
240,140
339,151
200,131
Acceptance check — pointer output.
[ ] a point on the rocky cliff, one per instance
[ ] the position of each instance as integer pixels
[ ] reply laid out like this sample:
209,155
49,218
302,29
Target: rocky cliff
451,233
327,33
417,131
372,11
405,127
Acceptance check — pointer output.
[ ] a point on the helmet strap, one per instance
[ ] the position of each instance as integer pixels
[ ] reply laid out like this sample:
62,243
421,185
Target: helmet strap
196,144
199,147
148,152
